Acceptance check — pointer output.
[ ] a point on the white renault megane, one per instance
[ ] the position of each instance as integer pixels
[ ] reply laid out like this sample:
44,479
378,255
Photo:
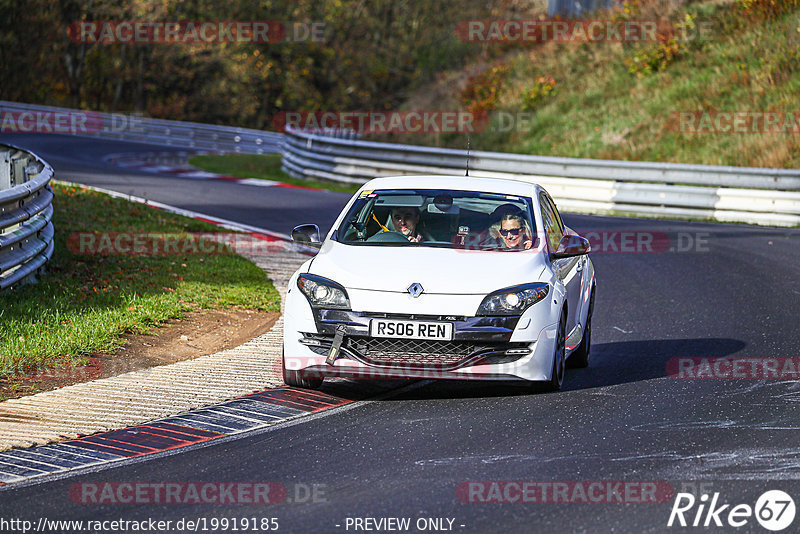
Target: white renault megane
441,277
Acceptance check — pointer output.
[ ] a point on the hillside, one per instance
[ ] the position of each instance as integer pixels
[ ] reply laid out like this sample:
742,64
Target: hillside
719,85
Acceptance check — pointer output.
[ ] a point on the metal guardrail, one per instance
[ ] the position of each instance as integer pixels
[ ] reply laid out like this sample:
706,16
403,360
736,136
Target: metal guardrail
23,118
26,211
729,194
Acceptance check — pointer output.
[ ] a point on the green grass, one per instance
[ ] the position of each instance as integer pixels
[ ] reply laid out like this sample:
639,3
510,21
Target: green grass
602,110
264,167
87,303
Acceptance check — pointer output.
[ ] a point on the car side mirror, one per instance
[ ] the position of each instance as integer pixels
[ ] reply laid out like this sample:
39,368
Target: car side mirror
307,234
571,245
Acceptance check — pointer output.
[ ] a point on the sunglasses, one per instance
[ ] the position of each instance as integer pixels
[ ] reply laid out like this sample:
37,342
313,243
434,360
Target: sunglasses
512,231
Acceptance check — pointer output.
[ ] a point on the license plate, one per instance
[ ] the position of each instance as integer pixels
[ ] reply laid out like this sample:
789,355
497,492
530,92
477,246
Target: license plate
399,329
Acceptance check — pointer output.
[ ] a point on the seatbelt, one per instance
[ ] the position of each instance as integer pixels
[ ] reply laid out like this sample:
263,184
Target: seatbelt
379,223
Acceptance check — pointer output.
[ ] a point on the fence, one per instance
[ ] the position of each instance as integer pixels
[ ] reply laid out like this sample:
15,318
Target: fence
26,230
727,194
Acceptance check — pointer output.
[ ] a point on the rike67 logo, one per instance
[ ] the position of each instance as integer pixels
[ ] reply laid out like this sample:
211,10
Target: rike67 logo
774,510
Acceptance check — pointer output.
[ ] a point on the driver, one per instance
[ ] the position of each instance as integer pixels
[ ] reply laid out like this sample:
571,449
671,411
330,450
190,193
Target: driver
405,221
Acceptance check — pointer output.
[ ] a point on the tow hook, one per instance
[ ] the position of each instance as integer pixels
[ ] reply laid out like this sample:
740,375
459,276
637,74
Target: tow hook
337,344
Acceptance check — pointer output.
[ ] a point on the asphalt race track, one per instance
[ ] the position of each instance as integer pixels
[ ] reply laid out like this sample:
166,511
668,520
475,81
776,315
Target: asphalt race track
80,160
428,450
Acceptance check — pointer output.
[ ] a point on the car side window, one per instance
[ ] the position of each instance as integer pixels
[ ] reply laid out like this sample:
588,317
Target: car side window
556,214
553,226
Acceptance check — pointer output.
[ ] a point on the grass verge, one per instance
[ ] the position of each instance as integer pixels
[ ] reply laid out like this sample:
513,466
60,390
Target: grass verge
87,303
263,167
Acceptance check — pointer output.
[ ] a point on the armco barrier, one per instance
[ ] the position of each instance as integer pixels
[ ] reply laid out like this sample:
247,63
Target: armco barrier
26,210
729,194
28,118
726,194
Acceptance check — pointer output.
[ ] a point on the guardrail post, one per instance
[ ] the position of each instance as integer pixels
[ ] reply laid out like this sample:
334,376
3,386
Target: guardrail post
5,170
19,171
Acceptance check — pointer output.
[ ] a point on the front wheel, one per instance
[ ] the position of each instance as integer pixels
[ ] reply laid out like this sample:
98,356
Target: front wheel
557,376
580,358
297,379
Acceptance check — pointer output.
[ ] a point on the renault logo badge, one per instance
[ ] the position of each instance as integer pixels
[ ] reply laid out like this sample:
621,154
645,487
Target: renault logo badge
415,289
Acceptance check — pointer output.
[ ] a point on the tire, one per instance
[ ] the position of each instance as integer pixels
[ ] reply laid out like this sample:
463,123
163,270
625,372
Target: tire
559,363
580,358
296,379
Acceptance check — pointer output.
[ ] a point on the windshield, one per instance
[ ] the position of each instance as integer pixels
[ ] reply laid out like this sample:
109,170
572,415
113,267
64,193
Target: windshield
439,218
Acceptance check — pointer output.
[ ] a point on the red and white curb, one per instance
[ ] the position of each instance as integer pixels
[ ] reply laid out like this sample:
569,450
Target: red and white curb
175,164
244,414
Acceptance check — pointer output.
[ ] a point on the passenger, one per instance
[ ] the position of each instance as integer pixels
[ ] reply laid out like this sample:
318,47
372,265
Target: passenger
511,230
405,221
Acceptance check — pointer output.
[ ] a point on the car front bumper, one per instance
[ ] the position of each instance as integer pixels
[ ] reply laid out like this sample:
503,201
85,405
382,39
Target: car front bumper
483,348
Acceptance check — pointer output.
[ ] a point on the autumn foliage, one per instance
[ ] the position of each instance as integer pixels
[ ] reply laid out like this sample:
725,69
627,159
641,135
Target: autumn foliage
373,54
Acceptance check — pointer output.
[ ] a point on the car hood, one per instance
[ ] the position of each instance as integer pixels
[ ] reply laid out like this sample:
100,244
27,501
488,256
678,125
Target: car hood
439,271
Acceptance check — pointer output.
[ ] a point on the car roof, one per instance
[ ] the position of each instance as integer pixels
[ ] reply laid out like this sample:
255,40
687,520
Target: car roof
464,183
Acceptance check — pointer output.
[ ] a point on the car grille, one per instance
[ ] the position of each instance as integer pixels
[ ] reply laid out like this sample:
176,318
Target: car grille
414,353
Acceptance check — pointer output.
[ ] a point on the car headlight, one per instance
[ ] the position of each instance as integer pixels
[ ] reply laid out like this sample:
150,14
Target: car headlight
513,300
323,293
